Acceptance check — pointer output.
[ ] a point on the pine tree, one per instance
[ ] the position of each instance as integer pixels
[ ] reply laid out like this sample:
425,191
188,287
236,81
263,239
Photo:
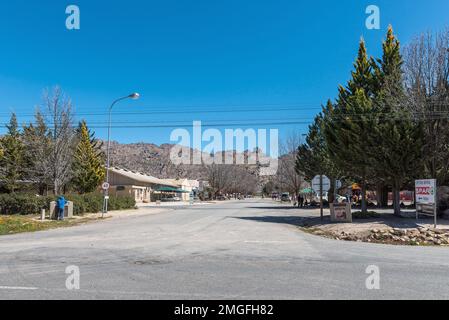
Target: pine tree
12,160
398,137
38,147
88,165
312,157
348,124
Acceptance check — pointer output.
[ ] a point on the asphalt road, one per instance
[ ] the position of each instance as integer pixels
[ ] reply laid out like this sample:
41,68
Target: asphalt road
231,250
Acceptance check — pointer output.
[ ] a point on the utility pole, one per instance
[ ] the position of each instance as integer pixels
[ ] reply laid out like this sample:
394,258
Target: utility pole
133,96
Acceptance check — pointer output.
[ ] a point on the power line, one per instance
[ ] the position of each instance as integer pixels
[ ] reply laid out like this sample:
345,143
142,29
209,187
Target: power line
179,110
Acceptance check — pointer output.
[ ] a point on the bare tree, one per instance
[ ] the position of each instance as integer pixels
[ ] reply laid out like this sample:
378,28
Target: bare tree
426,70
59,118
219,178
287,178
242,180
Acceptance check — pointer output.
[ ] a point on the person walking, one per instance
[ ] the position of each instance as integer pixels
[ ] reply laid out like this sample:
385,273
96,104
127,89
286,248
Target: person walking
299,200
60,206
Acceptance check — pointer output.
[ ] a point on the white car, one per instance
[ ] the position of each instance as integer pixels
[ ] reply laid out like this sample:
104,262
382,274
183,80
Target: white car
341,199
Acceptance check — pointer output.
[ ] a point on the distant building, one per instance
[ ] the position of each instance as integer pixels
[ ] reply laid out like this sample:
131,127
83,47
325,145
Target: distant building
145,188
188,187
131,183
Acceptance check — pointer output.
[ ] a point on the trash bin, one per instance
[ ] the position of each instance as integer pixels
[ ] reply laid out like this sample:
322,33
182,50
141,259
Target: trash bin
68,210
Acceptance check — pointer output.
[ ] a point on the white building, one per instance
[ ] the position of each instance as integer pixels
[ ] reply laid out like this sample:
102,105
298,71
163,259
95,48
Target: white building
131,183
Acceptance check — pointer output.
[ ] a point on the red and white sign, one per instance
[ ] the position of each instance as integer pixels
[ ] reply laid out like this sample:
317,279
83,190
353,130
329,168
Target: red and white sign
425,191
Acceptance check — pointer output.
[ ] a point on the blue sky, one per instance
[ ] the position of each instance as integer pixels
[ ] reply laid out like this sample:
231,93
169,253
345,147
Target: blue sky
278,60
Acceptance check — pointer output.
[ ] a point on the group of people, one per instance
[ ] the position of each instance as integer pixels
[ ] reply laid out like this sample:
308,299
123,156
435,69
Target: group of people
300,201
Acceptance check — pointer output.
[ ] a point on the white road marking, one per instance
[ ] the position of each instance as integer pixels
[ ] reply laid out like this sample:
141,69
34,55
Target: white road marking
17,288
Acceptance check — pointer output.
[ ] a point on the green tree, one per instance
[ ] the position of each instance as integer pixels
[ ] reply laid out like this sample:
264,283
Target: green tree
348,124
313,158
88,165
38,147
397,137
12,160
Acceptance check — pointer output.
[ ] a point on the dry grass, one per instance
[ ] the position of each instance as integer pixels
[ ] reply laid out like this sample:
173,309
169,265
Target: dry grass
12,224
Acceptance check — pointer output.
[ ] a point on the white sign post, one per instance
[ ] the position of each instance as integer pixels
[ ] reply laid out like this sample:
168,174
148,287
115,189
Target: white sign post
426,196
105,186
321,184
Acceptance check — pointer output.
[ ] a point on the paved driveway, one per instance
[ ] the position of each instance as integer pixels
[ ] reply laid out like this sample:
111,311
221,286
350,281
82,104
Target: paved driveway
230,250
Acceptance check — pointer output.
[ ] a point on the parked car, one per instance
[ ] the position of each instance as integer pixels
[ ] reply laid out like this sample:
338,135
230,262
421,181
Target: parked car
171,199
285,197
341,199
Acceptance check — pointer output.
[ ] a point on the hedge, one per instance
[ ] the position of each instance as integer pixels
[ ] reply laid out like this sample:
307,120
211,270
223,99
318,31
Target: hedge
25,204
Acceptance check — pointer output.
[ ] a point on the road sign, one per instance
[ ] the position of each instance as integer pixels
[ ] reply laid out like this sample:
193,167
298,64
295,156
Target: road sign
321,184
106,186
338,184
316,182
425,191
426,198
341,212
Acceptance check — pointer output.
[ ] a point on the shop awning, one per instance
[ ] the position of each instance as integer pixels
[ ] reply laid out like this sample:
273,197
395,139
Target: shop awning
171,189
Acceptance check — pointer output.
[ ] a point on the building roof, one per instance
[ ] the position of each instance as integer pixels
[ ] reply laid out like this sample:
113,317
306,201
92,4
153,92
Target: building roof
177,182
140,177
194,183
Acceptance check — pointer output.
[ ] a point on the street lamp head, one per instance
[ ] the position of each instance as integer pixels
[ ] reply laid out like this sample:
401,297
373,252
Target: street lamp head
134,96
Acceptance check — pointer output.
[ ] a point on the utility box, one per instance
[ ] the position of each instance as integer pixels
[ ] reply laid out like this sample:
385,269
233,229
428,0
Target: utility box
68,210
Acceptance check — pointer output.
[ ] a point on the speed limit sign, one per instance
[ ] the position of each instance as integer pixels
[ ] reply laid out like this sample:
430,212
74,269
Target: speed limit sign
106,186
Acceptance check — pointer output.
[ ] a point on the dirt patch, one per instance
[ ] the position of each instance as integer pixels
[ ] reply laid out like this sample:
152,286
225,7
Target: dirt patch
379,228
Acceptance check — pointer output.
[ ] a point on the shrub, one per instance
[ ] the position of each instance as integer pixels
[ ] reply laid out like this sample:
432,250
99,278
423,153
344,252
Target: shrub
23,203
26,204
368,215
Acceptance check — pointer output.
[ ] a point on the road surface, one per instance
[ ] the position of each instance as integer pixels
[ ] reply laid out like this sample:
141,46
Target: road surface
231,250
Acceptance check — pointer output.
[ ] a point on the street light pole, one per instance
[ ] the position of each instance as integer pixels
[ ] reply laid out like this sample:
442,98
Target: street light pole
133,96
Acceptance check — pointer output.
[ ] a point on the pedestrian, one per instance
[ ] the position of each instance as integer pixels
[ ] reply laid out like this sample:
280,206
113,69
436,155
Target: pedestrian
60,206
301,201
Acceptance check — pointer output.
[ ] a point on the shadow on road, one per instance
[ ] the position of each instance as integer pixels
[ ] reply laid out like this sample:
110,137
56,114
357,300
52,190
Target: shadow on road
292,220
285,208
315,221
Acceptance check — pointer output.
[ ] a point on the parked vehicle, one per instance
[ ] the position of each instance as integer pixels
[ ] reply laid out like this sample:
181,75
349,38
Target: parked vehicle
285,197
171,199
340,199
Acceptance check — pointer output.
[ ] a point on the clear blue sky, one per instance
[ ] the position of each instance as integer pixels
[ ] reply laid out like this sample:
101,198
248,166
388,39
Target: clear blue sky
261,56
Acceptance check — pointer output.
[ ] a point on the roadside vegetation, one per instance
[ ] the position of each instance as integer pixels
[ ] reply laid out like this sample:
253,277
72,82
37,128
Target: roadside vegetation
29,204
49,157
389,124
13,224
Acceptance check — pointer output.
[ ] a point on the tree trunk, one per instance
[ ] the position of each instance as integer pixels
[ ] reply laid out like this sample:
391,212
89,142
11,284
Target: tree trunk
397,199
384,195
379,189
364,204
330,194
